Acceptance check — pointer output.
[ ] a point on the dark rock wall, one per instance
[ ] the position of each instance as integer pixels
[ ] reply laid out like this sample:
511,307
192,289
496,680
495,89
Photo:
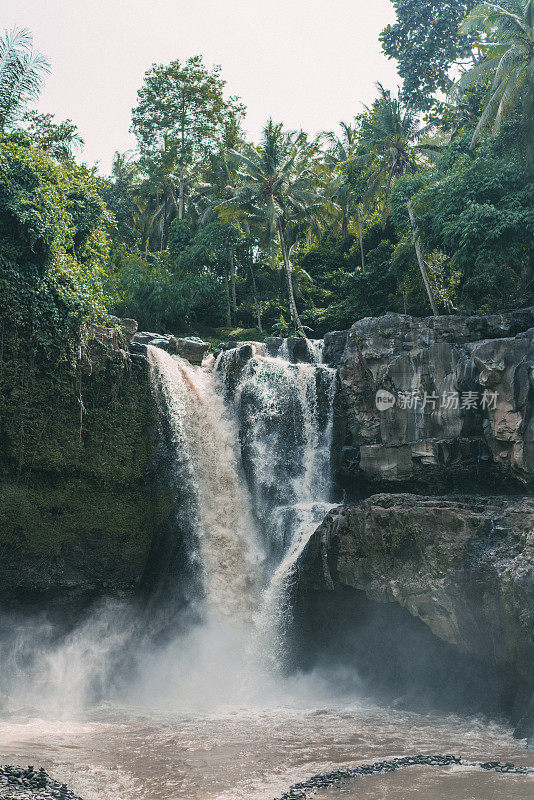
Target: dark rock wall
463,566
78,507
476,425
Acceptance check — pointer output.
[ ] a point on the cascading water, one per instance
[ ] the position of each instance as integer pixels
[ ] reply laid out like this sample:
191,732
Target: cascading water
248,532
285,411
202,712
206,457
250,469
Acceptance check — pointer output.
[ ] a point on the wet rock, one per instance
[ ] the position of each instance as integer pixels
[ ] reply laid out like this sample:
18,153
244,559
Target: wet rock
136,348
191,348
477,421
306,789
295,349
464,566
525,726
18,783
334,346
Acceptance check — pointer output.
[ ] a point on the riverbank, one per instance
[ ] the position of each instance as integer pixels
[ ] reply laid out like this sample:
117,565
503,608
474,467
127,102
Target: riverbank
27,783
255,751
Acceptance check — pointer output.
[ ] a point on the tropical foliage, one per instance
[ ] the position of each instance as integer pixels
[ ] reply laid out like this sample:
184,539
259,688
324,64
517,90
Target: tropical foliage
507,63
21,74
420,203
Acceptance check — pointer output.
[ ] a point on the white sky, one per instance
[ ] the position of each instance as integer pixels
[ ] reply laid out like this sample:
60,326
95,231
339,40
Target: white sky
306,63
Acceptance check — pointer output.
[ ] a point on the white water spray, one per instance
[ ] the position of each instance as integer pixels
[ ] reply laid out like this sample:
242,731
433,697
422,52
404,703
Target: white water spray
206,448
286,415
253,464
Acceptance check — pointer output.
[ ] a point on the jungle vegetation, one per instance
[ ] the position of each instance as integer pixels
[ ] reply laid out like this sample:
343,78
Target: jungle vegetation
421,203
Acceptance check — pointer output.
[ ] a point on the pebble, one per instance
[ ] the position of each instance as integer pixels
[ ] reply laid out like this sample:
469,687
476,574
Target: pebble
305,789
27,783
19,783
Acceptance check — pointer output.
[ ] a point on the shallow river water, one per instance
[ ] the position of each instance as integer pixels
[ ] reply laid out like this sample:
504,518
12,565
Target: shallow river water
255,754
247,537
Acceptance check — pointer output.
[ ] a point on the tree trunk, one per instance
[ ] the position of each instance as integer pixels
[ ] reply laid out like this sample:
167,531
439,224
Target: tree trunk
181,195
228,305
345,221
422,267
361,238
255,293
291,296
232,281
163,222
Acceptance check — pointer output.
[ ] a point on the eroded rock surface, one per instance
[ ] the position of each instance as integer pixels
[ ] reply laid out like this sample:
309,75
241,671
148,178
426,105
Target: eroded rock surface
192,348
462,390
464,566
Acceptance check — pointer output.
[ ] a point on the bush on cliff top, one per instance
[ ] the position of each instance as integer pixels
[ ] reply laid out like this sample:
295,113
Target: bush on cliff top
53,250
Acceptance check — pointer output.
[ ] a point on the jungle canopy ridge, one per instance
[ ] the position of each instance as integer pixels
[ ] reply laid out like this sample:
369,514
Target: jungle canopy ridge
421,203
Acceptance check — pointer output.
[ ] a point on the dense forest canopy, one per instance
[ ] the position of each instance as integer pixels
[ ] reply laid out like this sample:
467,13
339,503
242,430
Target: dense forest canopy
420,203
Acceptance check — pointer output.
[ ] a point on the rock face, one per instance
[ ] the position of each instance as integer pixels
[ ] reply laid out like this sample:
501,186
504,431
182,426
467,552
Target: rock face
192,349
78,507
465,567
457,400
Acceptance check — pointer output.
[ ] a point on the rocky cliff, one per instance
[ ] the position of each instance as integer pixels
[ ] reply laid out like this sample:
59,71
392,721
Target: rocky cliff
78,506
436,406
436,403
463,566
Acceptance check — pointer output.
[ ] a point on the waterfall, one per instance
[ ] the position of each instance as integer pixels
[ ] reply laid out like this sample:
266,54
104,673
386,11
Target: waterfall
206,457
247,439
285,412
252,436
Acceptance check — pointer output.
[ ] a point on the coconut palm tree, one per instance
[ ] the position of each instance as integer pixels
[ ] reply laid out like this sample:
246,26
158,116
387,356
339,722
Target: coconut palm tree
277,191
389,145
508,61
339,159
22,70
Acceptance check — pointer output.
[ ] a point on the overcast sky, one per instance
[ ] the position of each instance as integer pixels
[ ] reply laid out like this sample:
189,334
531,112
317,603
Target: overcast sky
307,63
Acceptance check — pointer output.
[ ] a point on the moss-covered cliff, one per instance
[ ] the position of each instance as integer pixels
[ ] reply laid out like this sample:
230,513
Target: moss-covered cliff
77,503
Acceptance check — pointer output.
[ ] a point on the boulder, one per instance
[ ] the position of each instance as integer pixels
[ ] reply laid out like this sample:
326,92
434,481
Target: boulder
463,566
191,348
435,401
128,327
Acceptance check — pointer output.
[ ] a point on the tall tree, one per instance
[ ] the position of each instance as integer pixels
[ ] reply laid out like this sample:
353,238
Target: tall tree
508,62
341,151
426,42
217,186
22,70
389,145
390,137
60,140
277,191
181,109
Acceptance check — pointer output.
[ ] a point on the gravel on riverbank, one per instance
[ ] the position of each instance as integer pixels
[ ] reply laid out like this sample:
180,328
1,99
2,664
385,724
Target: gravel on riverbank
27,783
306,789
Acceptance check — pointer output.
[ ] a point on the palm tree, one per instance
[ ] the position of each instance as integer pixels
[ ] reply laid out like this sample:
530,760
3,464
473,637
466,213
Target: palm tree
339,158
22,70
390,145
217,187
390,141
277,191
508,61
